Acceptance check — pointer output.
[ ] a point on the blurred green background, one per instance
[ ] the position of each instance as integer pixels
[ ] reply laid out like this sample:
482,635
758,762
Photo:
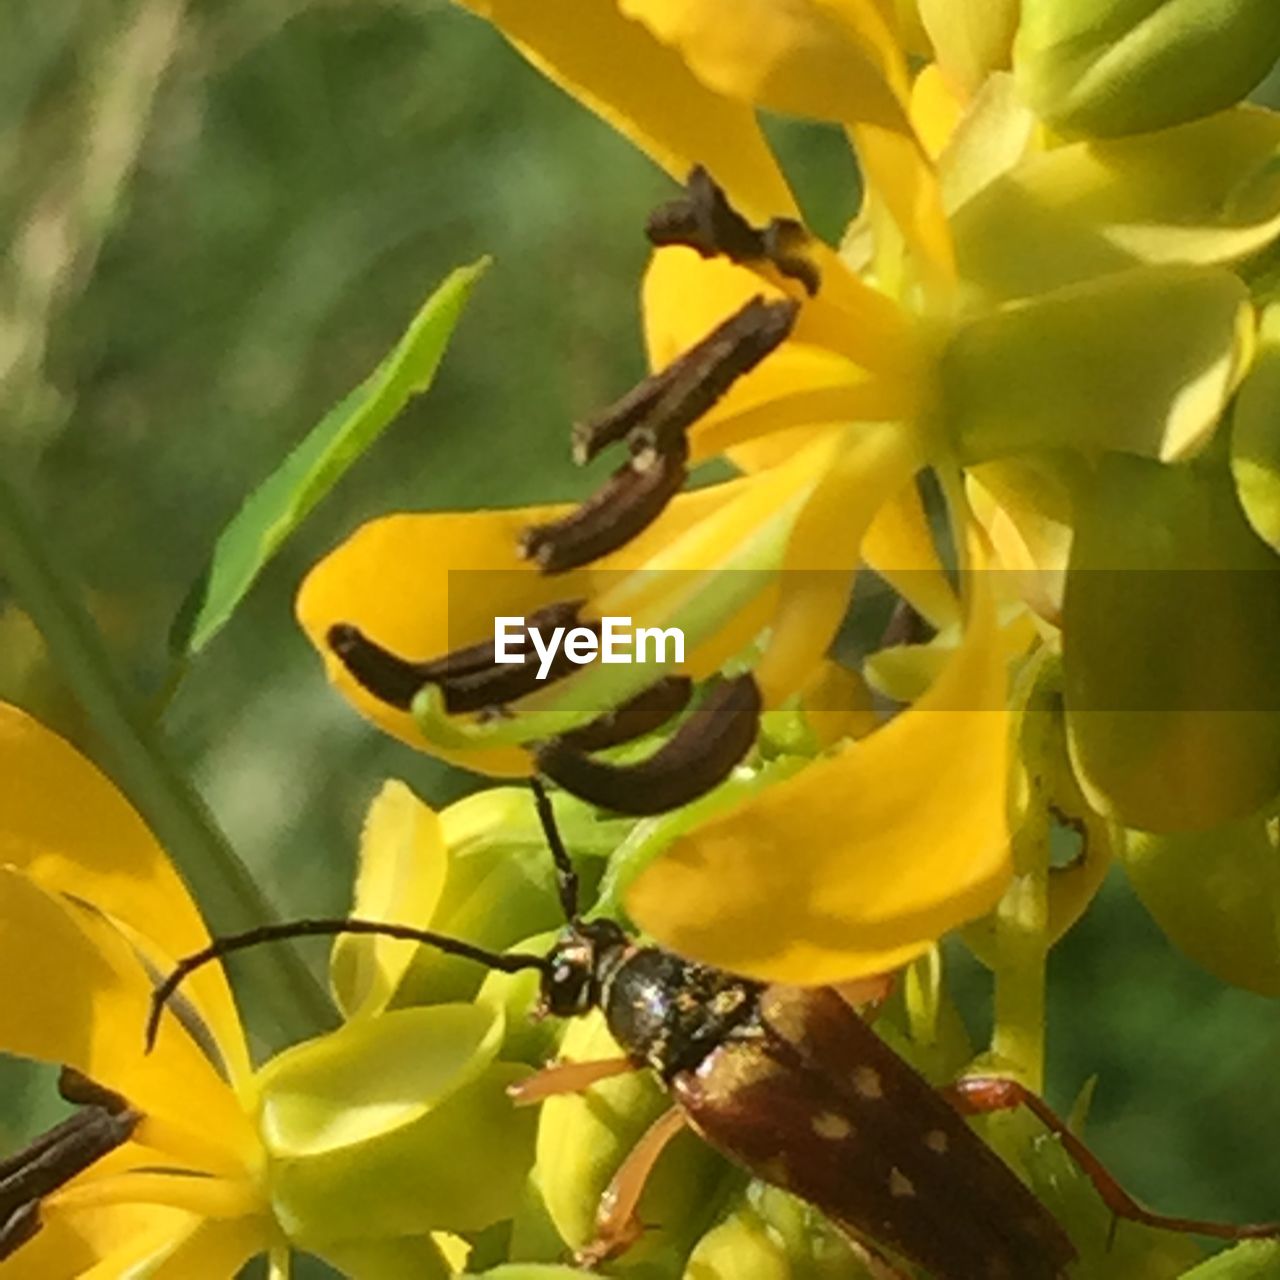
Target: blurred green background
217,218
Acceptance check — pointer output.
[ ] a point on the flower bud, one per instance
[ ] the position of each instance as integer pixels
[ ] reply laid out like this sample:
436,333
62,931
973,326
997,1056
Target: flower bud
1107,67
479,870
393,1126
740,1248
1214,894
583,1139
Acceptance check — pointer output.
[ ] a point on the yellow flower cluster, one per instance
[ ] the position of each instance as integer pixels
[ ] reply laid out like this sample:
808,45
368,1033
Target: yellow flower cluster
1031,389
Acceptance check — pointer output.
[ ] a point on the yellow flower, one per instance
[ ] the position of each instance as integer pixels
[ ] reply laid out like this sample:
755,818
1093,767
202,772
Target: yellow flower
182,1162
997,306
90,910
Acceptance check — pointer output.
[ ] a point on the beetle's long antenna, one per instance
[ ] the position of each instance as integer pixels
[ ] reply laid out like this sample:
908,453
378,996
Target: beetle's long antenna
566,876
232,942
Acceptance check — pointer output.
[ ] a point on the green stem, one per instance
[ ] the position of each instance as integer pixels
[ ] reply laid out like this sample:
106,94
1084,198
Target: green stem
146,773
1022,918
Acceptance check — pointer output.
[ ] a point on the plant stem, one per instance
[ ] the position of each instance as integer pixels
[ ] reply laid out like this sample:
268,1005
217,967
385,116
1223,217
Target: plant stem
146,773
1022,917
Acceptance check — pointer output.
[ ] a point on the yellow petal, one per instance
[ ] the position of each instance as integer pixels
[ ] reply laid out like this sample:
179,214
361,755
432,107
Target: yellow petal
899,546
685,296
65,824
825,59
70,1243
75,993
995,133
423,584
971,40
644,89
871,463
1201,193
1025,507
1143,362
829,61
403,864
799,385
861,860
201,1251
936,109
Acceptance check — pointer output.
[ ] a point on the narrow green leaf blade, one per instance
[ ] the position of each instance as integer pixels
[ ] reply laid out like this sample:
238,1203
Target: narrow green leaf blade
279,505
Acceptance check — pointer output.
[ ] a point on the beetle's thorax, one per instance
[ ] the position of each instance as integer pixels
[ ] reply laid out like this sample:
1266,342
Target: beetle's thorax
671,1014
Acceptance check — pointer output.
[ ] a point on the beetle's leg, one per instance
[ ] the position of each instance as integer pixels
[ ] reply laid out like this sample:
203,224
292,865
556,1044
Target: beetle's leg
617,1225
976,1095
566,1077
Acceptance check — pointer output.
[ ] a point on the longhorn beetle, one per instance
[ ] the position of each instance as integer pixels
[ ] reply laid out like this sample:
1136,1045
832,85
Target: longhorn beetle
789,1083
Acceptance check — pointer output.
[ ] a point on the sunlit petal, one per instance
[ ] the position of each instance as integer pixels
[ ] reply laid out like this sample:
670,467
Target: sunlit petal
1207,192
685,296
74,993
856,864
823,551
646,91
71,830
403,864
1142,362
204,1250
899,545
422,584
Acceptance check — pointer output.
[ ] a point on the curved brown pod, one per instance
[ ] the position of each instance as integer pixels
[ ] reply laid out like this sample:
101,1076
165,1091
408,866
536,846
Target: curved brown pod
698,756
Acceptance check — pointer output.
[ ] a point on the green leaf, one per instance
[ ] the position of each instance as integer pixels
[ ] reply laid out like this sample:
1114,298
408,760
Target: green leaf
1249,1260
279,505
1170,616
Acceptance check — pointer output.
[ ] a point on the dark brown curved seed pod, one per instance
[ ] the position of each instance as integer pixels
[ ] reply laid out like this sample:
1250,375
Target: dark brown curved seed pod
665,405
705,221
650,709
628,502
470,679
698,756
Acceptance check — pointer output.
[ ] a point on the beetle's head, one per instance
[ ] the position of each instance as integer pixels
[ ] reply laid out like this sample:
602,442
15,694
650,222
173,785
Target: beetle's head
577,965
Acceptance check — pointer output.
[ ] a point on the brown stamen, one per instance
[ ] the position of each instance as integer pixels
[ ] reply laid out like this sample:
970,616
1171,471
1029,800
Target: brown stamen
23,1224
76,1087
628,502
470,679
51,1161
666,404
705,221
698,756
648,710
376,670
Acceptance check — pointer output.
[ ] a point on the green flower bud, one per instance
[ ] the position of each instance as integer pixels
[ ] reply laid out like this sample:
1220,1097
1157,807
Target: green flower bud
1107,67
583,1139
1215,894
402,1258
740,1248
1169,625
394,1126
813,1247
478,870
515,996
